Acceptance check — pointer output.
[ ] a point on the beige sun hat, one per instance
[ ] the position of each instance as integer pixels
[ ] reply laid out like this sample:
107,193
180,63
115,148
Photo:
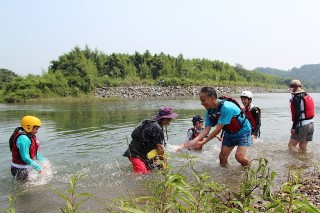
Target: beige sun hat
297,85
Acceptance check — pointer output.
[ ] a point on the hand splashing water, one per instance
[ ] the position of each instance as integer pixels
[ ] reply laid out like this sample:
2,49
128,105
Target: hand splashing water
36,178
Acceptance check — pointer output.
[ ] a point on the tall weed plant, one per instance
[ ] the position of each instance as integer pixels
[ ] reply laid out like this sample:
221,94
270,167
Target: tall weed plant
70,196
173,192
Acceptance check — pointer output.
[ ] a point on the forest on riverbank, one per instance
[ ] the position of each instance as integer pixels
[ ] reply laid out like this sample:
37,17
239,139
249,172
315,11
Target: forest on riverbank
308,73
81,71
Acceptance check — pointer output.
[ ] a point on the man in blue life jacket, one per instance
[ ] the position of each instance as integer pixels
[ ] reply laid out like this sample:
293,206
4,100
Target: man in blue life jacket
226,116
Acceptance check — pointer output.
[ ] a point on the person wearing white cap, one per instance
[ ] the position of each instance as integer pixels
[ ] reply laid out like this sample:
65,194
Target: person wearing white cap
252,112
302,113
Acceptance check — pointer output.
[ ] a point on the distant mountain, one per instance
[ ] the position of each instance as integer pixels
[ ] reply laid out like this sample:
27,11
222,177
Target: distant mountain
309,74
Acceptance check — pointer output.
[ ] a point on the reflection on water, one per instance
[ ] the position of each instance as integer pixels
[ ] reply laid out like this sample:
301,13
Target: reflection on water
89,138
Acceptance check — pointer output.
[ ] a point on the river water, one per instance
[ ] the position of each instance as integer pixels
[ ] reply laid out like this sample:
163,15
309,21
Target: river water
90,138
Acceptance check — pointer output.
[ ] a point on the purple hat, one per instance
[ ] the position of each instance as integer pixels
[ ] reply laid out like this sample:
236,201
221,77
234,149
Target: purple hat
165,112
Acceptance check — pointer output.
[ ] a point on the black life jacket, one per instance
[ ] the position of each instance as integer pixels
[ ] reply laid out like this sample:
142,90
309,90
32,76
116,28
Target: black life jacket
194,132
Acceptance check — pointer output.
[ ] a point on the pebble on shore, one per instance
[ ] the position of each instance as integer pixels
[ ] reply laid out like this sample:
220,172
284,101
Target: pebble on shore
171,91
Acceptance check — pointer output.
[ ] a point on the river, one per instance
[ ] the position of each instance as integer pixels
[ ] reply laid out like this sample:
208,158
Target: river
90,138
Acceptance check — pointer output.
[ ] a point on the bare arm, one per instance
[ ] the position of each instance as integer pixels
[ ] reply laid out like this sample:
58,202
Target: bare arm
195,141
200,139
202,134
212,135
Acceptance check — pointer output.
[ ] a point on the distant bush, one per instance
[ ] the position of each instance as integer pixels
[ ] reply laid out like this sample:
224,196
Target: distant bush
82,71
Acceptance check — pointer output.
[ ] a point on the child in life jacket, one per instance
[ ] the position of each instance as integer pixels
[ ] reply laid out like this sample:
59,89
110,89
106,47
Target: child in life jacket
193,132
252,112
25,146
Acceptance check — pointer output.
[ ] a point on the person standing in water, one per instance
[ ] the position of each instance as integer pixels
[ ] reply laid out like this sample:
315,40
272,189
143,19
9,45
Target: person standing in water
302,113
197,128
252,112
148,142
25,146
227,116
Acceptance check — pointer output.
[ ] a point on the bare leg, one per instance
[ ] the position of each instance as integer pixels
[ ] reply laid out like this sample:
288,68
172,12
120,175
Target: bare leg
303,146
224,155
241,155
293,145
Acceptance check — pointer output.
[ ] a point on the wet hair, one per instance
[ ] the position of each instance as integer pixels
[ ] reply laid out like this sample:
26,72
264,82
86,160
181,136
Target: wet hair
209,91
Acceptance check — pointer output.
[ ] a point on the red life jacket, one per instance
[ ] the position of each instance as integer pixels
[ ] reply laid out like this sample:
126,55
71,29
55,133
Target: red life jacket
254,117
16,157
308,105
250,118
235,124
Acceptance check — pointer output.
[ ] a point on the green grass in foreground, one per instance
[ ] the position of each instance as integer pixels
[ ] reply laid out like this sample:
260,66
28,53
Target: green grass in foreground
173,192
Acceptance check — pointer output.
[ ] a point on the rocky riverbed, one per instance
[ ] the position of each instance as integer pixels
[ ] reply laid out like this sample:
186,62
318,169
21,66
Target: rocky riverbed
171,91
311,187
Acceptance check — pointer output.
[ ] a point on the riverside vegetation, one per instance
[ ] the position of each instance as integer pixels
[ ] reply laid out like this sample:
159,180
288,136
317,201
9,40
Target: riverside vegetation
81,73
172,191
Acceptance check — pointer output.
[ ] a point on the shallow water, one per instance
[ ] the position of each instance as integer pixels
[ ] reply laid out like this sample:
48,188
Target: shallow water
89,138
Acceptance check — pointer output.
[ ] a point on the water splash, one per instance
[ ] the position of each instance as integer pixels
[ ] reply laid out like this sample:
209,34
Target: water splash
36,179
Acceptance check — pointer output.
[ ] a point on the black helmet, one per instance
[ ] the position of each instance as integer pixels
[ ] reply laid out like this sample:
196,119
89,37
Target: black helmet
197,118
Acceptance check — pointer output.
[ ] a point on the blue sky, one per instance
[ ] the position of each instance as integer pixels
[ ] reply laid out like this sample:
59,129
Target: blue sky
280,34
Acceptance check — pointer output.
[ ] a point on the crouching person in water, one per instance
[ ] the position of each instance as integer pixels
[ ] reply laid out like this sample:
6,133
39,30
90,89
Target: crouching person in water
148,142
25,148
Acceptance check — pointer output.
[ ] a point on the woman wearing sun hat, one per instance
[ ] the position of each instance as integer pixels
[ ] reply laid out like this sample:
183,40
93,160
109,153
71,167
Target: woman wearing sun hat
302,111
148,142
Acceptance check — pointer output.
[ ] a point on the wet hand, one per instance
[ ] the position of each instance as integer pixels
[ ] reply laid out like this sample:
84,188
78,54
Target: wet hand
186,144
198,146
219,138
160,149
179,148
46,165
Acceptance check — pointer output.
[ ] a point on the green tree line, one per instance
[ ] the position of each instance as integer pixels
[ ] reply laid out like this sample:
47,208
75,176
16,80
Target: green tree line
81,71
309,74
